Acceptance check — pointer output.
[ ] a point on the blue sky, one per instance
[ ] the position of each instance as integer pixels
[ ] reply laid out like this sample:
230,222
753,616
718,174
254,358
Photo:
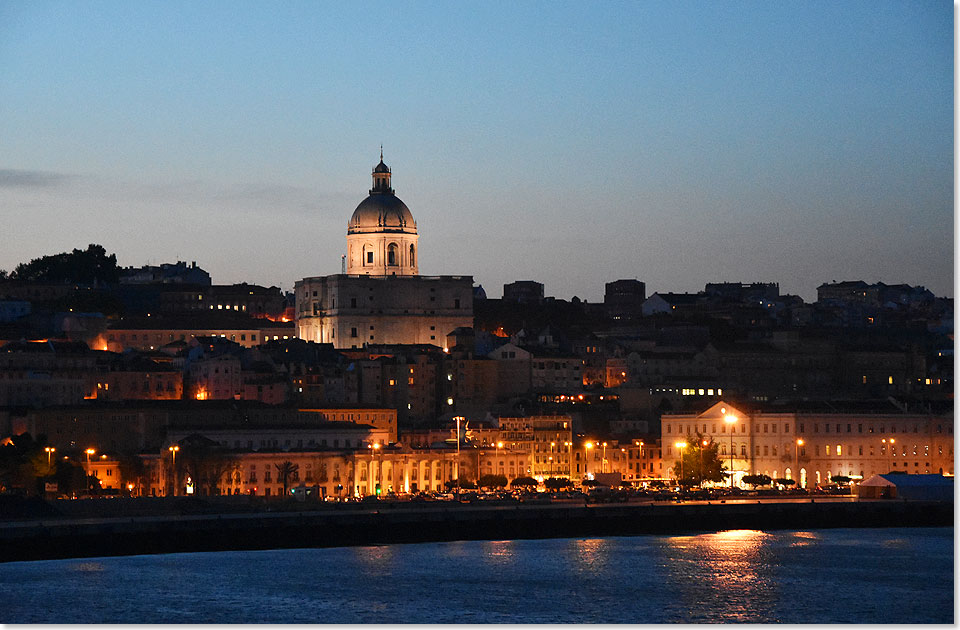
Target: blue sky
572,143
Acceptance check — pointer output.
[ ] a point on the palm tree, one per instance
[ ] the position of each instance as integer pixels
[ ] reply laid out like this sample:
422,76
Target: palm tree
286,470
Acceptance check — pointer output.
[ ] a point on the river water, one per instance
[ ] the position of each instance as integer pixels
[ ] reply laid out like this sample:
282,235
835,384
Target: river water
824,576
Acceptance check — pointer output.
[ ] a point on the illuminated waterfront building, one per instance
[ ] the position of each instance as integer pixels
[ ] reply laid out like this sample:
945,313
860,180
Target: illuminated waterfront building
812,443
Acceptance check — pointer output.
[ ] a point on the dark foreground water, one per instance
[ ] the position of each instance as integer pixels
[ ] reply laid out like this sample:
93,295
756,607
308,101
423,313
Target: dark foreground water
824,576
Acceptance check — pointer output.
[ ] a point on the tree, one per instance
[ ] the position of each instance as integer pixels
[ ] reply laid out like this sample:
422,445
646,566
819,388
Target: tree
22,463
557,483
90,267
492,481
757,480
523,482
205,461
701,462
785,482
841,479
131,469
286,470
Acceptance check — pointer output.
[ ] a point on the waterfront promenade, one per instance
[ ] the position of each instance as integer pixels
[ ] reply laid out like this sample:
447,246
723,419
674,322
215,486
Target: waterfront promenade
297,525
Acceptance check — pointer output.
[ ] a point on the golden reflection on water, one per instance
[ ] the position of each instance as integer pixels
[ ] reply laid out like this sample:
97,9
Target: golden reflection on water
727,564
590,554
498,552
375,559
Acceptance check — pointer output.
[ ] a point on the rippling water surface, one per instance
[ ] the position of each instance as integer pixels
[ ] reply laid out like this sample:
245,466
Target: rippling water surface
824,576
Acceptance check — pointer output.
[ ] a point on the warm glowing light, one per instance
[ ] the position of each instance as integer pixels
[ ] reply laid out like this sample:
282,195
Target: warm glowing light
799,442
173,449
681,445
90,451
499,444
730,419
202,394
588,445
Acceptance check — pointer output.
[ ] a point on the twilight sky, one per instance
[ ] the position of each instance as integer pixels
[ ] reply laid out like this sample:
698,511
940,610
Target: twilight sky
572,143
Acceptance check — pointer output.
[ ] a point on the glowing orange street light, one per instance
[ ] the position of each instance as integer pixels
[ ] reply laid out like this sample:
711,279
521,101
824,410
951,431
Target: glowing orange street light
49,450
799,444
173,451
587,446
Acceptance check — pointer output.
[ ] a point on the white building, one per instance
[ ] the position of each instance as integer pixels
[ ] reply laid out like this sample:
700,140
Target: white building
382,299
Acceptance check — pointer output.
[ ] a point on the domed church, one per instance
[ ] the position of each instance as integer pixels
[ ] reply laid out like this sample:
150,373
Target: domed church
382,298
382,235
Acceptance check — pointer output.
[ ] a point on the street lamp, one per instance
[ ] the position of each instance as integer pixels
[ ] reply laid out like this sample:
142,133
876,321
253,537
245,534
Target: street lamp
378,487
173,451
731,420
681,446
703,445
799,444
586,447
603,459
49,450
457,467
569,447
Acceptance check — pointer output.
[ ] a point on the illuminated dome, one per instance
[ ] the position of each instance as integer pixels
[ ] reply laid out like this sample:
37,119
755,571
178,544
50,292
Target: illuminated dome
382,211
381,234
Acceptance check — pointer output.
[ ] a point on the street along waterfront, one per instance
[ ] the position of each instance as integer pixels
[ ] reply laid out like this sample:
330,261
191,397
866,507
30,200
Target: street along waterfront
850,575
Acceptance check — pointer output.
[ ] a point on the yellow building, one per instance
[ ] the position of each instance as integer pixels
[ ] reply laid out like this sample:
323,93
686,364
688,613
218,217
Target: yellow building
812,446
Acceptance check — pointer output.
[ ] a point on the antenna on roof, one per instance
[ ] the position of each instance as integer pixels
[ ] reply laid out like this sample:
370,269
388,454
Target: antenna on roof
381,153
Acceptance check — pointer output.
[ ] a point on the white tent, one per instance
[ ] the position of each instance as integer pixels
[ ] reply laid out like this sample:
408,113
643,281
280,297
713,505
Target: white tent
914,487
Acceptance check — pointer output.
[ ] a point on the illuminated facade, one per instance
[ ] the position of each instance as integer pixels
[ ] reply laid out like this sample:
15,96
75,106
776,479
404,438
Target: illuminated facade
382,299
853,444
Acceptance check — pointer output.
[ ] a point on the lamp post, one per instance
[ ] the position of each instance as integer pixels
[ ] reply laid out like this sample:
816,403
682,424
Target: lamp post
552,446
378,487
731,420
603,459
568,447
457,467
703,445
50,450
681,446
799,444
173,451
586,447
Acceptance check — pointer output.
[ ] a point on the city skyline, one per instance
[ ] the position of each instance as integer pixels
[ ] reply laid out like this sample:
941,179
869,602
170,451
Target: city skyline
676,144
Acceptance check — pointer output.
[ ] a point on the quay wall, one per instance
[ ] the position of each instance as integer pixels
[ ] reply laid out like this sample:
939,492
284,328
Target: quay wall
398,523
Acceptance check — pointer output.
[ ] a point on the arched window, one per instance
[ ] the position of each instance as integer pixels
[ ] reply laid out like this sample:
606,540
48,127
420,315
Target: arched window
413,257
392,255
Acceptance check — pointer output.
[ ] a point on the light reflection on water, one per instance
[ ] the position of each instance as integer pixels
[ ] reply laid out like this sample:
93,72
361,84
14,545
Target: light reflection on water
826,576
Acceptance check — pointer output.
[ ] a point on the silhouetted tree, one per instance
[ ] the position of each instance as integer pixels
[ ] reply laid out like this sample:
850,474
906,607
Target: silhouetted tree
523,482
556,483
91,266
757,480
205,461
286,470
